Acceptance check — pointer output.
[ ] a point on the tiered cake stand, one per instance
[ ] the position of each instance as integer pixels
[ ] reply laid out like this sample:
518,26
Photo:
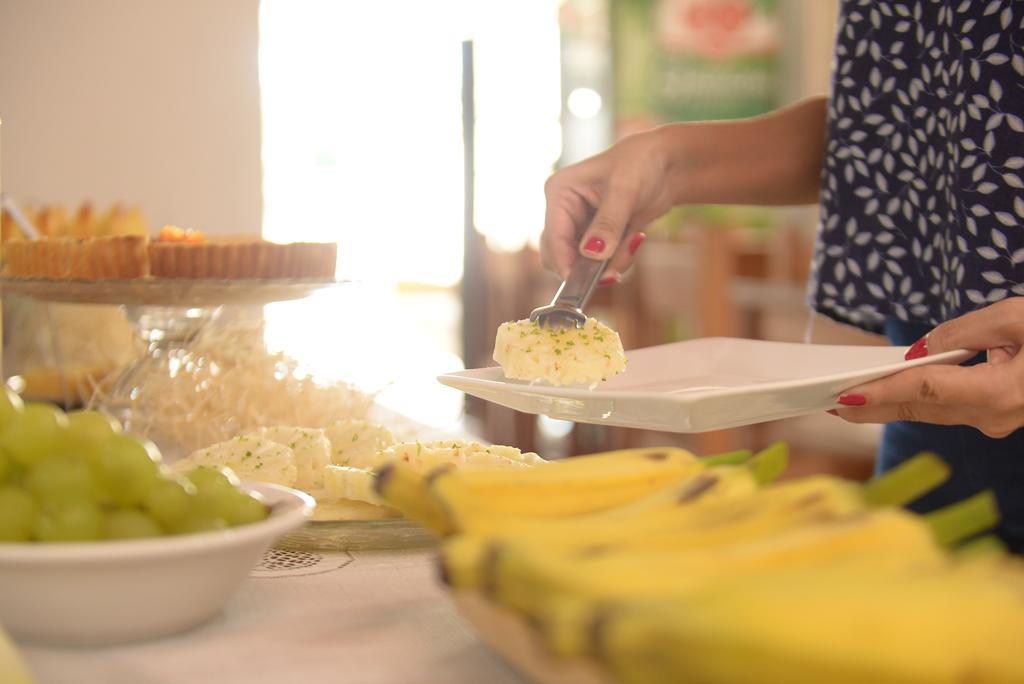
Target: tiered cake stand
167,313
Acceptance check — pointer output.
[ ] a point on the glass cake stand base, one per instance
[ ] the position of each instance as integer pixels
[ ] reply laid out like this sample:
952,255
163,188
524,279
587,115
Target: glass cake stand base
168,332
168,315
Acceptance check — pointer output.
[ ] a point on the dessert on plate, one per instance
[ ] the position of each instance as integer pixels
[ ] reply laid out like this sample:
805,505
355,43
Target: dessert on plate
559,356
175,253
120,257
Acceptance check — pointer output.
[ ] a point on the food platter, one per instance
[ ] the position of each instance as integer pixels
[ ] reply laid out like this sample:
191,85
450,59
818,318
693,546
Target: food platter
704,384
358,535
171,292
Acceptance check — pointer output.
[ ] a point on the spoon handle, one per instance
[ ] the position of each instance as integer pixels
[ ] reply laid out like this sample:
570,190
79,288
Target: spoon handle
575,292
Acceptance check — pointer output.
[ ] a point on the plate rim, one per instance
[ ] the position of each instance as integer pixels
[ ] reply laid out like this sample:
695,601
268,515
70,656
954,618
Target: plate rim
460,377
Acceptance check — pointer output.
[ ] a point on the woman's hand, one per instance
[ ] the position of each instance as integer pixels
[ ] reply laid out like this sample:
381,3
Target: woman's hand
593,204
988,396
597,207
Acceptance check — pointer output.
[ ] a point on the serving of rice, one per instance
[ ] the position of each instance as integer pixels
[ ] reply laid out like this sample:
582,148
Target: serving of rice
562,356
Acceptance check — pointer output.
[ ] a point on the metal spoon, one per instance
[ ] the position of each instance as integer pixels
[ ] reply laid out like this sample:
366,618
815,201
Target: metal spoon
566,309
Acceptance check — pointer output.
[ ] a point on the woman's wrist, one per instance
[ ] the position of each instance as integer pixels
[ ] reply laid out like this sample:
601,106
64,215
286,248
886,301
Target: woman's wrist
770,159
683,160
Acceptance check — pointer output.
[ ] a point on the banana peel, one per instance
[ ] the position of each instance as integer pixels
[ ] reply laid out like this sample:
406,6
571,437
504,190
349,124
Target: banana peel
12,667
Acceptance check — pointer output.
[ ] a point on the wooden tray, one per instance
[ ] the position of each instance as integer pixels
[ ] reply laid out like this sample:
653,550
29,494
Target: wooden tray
509,635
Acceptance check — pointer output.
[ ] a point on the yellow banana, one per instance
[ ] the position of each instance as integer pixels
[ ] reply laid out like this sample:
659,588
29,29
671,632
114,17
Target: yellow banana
713,522
12,667
405,489
585,484
725,516
580,484
536,584
715,508
542,584
650,511
705,577
577,485
460,557
843,624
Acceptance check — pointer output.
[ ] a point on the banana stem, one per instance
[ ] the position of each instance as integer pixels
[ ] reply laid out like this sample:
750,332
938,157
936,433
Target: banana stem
728,458
985,545
908,481
770,463
964,519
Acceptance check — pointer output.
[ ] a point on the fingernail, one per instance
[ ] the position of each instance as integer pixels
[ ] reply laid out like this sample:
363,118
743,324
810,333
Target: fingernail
595,245
917,350
609,280
832,412
636,241
853,400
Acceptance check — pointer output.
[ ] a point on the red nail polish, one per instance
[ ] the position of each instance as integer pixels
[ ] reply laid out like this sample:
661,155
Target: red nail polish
595,245
853,400
832,412
636,241
917,350
608,280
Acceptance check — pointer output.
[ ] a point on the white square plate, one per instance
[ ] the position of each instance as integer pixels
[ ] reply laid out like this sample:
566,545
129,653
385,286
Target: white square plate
704,384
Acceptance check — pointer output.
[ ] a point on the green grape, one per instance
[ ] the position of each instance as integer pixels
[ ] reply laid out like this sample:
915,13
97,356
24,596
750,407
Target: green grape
11,405
6,471
170,501
75,520
212,488
198,522
88,432
57,479
91,427
129,523
243,509
126,470
15,471
39,431
17,514
209,479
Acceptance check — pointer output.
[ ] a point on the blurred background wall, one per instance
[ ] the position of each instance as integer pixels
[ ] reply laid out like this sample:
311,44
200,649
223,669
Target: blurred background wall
341,120
151,102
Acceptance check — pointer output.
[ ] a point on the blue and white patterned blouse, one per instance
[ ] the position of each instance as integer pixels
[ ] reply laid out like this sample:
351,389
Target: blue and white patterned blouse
922,200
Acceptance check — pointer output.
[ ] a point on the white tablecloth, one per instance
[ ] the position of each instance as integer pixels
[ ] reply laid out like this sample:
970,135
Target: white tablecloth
305,618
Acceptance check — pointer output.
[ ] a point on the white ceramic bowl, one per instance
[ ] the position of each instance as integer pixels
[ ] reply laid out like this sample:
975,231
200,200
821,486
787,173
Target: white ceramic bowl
109,592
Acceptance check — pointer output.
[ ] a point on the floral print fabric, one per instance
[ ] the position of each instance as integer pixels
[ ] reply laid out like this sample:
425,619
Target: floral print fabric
922,199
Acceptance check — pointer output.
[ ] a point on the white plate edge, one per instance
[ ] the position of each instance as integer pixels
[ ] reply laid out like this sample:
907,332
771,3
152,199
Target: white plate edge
454,380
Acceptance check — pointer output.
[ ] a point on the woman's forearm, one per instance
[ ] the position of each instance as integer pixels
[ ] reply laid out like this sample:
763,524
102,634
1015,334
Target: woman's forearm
774,159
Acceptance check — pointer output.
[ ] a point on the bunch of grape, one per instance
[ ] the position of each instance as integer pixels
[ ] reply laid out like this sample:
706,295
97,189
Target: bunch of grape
77,477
